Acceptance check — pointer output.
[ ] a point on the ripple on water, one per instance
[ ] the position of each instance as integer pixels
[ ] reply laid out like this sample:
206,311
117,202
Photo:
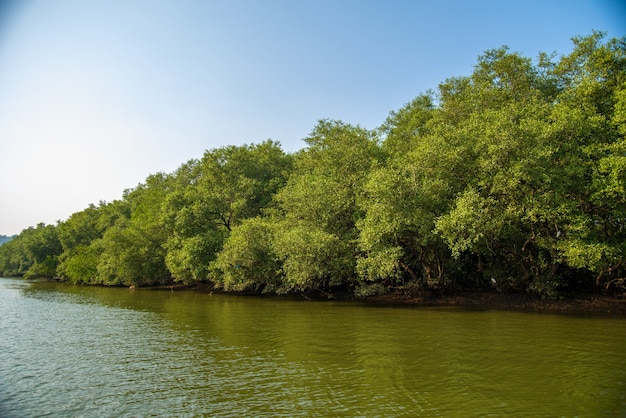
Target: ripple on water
108,352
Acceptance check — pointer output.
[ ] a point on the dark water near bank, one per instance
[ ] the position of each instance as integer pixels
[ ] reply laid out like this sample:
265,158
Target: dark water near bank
98,352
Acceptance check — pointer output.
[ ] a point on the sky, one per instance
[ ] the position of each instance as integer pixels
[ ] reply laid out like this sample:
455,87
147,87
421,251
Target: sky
95,95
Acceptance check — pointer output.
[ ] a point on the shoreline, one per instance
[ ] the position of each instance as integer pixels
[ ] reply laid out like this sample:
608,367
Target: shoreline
493,300
484,299
580,303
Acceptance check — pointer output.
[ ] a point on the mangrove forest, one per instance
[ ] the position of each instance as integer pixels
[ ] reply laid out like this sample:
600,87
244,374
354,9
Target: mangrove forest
511,178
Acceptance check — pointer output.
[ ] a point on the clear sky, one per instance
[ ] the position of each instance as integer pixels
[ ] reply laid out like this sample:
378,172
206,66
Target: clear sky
95,95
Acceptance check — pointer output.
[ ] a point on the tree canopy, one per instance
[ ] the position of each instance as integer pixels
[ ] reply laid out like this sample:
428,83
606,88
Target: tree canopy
511,177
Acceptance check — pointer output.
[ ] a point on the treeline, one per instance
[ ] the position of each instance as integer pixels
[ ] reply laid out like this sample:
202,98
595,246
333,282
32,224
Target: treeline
513,177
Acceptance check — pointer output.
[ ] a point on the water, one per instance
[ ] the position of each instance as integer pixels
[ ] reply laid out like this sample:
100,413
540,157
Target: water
70,351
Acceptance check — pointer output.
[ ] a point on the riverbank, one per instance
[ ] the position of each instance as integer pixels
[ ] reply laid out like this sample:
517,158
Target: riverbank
476,299
575,303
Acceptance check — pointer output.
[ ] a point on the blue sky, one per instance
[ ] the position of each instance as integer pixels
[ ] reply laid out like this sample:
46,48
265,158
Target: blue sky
97,95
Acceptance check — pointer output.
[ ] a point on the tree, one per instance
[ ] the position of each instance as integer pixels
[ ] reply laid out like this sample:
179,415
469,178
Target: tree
248,261
513,175
42,246
589,119
316,235
404,126
80,238
229,185
518,167
404,197
132,248
544,204
12,258
33,253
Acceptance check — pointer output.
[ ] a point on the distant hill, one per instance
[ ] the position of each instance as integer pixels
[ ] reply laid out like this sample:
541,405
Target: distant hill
5,238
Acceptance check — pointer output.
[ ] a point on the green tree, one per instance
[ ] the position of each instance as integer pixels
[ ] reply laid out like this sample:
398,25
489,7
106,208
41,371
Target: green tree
43,248
316,236
405,126
12,258
403,200
542,204
588,119
33,253
228,185
248,261
404,197
81,240
132,248
80,264
519,167
514,175
81,228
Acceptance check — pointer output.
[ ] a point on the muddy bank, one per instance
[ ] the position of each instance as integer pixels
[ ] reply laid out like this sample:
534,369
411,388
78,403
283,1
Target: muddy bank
483,299
578,303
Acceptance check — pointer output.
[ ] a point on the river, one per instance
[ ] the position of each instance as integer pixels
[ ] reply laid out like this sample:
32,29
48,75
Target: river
69,351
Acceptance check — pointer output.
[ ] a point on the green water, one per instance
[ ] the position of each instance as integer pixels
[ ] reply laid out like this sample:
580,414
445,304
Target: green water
97,352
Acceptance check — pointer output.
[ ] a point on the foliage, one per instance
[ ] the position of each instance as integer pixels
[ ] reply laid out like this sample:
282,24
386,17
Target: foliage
81,241
316,235
248,260
519,167
33,253
132,247
229,185
512,177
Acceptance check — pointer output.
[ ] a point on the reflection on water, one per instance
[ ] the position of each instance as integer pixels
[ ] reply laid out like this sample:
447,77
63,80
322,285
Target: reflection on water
90,351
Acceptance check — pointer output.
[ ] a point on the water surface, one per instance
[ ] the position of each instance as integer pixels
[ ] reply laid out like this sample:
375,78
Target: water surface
95,352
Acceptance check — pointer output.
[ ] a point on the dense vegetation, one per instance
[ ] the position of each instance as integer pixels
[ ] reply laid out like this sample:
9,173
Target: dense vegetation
513,177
